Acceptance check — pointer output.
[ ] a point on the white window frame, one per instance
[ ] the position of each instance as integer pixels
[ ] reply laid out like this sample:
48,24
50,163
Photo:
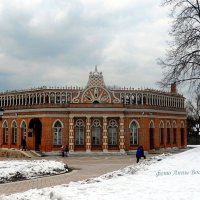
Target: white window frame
96,132
112,132
79,132
57,133
134,133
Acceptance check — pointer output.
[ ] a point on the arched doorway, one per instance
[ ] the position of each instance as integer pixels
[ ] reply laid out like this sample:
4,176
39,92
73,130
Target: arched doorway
36,126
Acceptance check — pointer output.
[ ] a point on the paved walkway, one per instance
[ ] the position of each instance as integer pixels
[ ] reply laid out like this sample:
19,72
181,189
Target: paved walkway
84,167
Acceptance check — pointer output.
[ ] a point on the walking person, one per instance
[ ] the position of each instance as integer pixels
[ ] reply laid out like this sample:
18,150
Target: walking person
66,150
23,145
63,150
140,153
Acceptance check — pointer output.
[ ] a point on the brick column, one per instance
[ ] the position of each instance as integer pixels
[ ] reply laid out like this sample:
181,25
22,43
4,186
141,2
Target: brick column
121,135
88,134
105,135
71,134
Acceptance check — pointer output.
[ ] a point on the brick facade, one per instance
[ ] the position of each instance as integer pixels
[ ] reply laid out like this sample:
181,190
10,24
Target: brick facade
93,119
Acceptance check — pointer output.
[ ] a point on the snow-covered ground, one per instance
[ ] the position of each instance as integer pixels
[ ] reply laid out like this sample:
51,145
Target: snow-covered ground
174,177
13,170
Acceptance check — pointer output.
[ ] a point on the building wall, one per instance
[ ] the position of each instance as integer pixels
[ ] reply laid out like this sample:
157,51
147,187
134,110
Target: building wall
68,119
142,110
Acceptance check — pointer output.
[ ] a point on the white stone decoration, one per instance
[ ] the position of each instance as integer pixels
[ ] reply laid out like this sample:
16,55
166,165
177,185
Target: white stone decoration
96,91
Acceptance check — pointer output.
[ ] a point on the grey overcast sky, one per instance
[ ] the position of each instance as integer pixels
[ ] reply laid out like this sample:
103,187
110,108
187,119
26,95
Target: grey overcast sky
58,42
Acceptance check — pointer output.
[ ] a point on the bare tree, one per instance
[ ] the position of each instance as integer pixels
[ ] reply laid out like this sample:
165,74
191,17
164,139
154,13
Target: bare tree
193,111
182,62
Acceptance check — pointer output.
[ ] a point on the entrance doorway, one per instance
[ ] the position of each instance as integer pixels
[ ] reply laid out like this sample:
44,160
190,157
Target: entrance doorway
36,126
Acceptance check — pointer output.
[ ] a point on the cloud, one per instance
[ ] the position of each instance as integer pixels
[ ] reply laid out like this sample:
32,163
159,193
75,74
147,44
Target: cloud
57,42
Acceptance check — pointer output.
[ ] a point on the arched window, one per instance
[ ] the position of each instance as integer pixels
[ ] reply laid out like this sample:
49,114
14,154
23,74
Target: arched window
144,99
63,98
151,134
139,98
174,132
79,132
161,132
5,133
182,128
14,132
182,124
58,96
151,124
96,132
168,133
133,99
57,133
23,130
52,98
134,133
112,132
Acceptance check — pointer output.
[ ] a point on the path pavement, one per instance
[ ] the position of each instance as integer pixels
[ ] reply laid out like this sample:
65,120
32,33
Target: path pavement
83,168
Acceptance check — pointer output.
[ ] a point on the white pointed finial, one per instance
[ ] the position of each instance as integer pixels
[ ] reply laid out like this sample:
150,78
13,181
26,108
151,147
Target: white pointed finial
95,68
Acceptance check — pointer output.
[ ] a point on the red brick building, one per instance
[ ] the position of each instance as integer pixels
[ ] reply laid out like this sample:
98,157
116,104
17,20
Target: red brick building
92,119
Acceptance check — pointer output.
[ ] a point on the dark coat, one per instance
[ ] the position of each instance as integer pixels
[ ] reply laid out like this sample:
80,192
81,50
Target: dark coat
66,149
139,152
23,142
142,152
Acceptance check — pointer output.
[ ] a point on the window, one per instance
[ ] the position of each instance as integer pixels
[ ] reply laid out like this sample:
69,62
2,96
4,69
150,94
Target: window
23,130
151,135
52,98
134,133
168,133
161,133
57,133
182,133
151,124
112,132
96,132
5,133
79,132
174,133
14,133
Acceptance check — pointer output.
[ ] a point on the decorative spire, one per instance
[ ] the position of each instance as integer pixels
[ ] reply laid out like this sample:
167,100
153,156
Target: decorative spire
95,79
96,69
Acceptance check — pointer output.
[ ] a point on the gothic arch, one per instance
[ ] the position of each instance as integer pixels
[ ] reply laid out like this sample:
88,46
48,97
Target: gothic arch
161,125
182,125
133,120
151,124
168,125
5,123
23,122
57,120
174,124
14,121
